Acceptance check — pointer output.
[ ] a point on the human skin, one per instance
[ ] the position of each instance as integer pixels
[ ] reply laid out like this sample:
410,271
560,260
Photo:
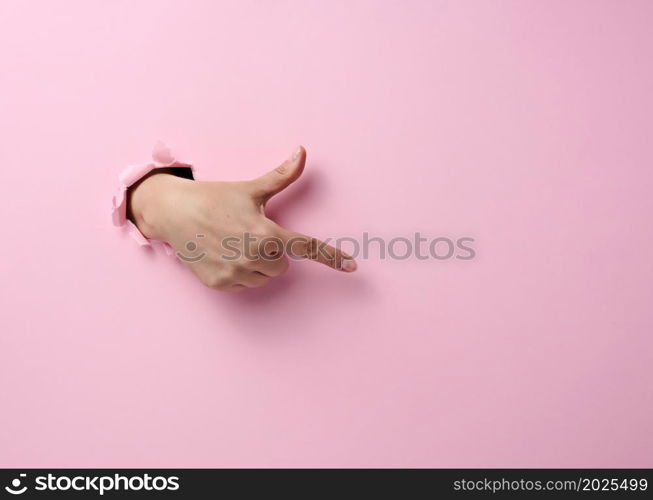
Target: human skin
226,221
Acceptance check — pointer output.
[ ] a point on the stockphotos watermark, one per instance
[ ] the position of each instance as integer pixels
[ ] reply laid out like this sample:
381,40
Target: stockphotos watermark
93,484
253,247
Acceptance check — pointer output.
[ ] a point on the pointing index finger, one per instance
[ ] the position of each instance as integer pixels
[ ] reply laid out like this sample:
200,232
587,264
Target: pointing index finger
303,246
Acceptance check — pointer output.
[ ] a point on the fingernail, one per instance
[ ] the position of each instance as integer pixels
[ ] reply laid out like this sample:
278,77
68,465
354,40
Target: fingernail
297,152
348,265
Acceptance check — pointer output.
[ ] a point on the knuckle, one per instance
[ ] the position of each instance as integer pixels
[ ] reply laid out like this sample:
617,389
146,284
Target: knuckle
219,280
209,281
247,263
229,275
206,279
272,247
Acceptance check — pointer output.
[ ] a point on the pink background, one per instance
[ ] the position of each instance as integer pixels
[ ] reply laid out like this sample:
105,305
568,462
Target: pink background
525,124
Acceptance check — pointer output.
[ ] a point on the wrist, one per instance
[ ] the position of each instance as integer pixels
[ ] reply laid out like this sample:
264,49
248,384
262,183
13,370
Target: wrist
150,201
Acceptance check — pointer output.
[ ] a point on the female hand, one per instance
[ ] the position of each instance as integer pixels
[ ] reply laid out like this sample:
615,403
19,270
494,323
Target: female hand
220,231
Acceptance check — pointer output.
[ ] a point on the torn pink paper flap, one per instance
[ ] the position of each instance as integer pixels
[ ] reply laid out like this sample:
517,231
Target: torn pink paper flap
162,157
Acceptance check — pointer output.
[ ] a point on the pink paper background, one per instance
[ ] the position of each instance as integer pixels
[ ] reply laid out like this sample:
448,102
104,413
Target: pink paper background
525,124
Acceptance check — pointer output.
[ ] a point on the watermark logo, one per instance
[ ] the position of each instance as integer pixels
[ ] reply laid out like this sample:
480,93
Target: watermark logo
15,488
253,247
191,248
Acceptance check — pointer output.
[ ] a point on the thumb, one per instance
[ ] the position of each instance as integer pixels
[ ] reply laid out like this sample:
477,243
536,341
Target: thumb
281,177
